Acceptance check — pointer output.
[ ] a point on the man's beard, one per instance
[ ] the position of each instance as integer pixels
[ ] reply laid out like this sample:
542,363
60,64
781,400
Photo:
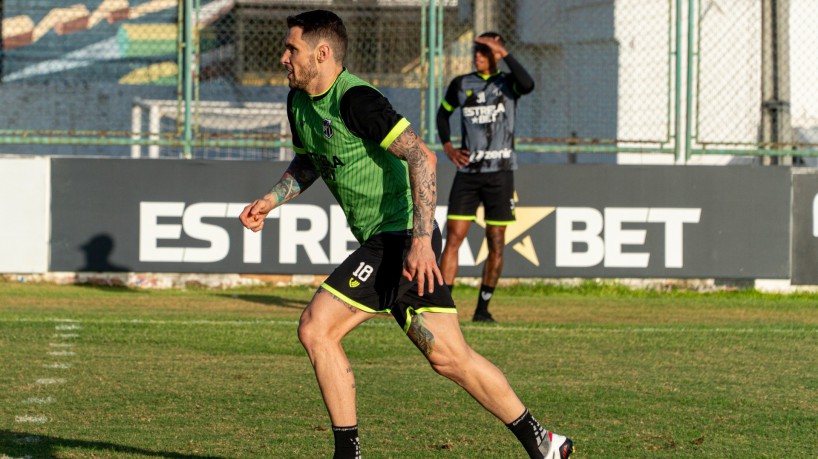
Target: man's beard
308,73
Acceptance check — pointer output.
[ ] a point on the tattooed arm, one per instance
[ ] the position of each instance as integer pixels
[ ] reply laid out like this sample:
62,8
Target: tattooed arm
298,177
420,261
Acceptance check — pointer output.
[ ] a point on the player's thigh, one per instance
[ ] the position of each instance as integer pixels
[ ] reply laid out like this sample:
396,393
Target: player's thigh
464,197
329,317
497,195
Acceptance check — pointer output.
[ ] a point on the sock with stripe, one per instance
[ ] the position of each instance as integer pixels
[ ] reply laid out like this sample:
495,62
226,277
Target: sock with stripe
529,432
347,445
486,293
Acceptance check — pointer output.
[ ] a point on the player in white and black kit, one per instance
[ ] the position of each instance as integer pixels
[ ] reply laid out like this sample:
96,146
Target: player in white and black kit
486,161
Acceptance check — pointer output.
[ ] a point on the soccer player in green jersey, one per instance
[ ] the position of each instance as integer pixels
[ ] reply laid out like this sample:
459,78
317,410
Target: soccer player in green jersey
384,179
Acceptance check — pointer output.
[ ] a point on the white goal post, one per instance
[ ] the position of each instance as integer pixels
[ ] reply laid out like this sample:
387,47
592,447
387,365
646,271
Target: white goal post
217,115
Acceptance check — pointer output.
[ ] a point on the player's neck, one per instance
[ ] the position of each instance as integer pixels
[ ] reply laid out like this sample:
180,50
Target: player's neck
324,80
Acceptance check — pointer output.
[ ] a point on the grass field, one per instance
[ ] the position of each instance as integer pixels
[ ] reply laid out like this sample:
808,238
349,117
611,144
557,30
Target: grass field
90,372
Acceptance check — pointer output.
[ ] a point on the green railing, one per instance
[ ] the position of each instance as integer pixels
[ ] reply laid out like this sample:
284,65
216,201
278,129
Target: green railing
679,78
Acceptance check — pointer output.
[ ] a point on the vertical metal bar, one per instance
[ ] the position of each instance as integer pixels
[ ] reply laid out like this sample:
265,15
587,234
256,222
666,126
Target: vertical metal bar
430,104
154,128
698,91
689,103
136,129
197,62
2,51
677,147
424,40
440,52
187,75
670,85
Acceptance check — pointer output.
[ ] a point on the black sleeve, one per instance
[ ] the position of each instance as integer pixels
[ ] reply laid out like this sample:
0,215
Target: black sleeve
521,81
296,140
368,114
444,112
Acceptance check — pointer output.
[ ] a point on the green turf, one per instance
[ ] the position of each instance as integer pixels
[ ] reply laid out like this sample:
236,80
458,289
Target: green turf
220,374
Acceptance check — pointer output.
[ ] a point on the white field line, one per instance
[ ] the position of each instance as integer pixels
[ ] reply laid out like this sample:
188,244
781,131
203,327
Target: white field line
68,327
31,419
65,335
58,366
61,345
50,381
39,400
62,353
613,329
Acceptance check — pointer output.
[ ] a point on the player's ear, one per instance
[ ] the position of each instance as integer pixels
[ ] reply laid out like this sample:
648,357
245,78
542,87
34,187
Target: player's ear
323,52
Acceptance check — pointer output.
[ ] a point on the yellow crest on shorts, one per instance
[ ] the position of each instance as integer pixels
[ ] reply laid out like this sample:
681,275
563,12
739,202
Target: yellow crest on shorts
353,283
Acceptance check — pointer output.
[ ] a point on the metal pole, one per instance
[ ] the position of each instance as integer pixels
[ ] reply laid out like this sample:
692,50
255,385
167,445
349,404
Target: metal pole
2,50
775,82
440,52
424,50
677,147
187,76
485,18
431,106
689,96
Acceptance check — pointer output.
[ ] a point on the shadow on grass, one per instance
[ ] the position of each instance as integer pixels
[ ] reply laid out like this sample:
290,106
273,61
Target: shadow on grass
106,286
268,300
26,445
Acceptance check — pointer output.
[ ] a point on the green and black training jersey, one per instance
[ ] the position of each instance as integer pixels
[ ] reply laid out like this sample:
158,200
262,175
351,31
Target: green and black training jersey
345,133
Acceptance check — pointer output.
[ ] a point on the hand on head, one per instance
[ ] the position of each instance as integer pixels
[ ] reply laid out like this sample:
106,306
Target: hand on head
494,44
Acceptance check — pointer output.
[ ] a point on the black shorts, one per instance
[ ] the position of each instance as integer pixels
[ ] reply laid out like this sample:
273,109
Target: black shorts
494,189
371,279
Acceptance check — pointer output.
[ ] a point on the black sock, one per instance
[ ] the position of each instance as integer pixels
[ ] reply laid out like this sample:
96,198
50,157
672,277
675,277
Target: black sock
347,445
486,293
529,432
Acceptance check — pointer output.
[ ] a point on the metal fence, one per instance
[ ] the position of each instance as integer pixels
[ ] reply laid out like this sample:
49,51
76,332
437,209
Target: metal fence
679,77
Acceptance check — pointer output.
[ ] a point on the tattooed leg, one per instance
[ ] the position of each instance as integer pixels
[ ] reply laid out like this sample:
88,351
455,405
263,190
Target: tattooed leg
420,335
324,323
439,337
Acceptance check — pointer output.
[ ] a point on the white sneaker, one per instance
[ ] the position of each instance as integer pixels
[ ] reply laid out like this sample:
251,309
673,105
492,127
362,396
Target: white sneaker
556,446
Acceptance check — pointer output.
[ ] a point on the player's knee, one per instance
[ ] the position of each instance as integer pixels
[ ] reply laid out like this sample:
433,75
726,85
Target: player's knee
308,333
445,369
453,241
448,366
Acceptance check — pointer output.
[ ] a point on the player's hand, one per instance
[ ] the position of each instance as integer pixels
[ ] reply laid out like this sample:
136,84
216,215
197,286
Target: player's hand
458,156
253,215
421,263
494,44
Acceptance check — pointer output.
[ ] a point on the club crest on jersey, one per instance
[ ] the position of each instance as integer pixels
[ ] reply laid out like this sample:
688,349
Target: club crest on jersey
328,128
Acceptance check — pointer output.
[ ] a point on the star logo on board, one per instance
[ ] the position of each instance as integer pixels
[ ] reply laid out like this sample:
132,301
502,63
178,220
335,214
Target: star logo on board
527,217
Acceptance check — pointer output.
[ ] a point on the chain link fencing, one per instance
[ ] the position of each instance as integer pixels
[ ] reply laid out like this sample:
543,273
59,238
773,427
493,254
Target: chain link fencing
602,70
757,77
107,77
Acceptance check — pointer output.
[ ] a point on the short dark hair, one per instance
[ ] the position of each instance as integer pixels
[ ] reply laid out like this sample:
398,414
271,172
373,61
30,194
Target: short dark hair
483,49
322,24
493,35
